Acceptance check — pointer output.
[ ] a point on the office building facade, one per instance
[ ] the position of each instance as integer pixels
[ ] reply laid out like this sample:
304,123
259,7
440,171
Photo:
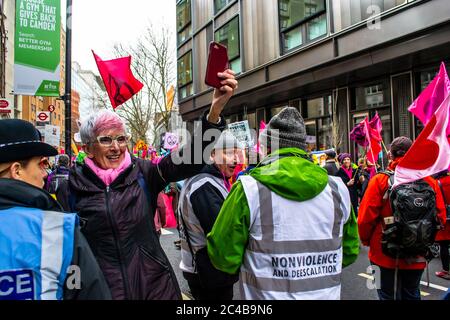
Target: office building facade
337,61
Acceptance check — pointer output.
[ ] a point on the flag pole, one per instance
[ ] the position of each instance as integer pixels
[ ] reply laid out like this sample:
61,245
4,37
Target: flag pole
68,81
375,160
384,146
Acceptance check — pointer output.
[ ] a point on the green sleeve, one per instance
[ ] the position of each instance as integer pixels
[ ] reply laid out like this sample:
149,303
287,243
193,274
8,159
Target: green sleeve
228,238
350,241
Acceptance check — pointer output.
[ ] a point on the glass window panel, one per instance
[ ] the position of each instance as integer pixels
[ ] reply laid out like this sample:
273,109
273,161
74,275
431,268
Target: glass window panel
317,27
293,39
325,133
426,78
385,116
371,96
251,117
349,12
293,11
235,65
185,69
228,35
318,107
275,111
311,139
220,4
185,34
186,91
183,14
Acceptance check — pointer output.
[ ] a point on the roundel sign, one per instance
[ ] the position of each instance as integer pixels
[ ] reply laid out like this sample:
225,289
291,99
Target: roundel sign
5,106
51,108
43,116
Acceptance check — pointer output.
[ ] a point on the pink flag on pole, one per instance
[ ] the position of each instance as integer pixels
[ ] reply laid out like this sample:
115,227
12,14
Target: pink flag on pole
432,97
360,134
430,153
120,83
376,126
368,134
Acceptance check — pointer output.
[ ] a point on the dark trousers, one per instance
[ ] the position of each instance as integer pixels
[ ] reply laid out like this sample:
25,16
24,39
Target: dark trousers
212,294
408,284
445,256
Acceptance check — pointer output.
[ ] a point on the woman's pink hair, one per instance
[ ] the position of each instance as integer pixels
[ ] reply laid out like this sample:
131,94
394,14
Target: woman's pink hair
108,120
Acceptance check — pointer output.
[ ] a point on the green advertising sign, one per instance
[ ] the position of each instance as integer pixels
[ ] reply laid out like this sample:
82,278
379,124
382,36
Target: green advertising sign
37,46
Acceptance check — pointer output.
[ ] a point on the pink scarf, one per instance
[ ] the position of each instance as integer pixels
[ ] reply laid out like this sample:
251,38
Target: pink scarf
349,172
109,175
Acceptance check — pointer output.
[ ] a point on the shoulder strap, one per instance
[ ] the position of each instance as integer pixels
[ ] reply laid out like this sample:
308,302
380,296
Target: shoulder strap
442,191
188,240
391,181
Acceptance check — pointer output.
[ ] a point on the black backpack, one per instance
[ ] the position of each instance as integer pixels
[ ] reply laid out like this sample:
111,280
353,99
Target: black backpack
412,229
55,182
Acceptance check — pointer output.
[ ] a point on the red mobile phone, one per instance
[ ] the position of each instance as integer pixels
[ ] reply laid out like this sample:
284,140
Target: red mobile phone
217,62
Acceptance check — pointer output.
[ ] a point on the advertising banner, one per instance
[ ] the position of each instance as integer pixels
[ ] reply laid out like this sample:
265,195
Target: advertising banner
37,46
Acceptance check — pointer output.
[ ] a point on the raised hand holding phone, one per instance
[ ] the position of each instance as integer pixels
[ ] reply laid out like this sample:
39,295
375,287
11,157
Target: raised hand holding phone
217,63
221,78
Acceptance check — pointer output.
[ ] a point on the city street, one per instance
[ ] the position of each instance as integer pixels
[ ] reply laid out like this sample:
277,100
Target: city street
354,281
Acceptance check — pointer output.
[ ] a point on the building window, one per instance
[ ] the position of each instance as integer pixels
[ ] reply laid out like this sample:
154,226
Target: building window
301,21
317,114
349,12
220,4
311,136
228,35
319,107
251,118
185,75
367,101
373,96
184,25
276,110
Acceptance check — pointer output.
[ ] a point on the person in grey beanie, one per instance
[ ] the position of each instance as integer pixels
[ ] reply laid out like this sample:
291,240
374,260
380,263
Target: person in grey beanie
286,227
201,198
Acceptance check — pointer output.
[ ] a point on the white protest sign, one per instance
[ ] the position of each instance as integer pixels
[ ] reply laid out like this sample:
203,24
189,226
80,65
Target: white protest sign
52,135
241,130
170,141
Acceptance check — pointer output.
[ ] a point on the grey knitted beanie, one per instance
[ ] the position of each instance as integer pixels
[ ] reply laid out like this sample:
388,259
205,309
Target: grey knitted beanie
227,141
285,130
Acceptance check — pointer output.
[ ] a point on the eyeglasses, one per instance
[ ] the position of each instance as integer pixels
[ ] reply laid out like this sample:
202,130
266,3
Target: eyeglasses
44,164
107,141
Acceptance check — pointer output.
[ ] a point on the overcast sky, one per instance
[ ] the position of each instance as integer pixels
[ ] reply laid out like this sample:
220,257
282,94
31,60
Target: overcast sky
98,24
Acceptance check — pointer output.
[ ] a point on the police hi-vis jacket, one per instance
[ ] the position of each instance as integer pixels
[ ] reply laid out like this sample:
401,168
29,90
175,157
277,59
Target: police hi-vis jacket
43,255
35,253
285,227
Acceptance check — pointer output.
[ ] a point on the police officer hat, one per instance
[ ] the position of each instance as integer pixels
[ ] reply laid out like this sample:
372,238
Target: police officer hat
20,140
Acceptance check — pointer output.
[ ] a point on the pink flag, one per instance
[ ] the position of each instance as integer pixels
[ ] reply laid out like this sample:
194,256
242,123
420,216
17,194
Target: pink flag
118,78
432,97
360,134
376,126
430,153
368,134
262,126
